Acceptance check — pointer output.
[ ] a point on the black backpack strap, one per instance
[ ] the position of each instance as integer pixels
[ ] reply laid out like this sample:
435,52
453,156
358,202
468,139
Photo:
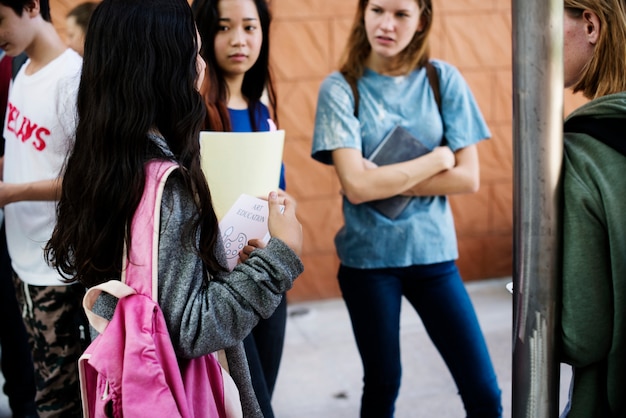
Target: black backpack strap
17,63
610,131
433,79
355,93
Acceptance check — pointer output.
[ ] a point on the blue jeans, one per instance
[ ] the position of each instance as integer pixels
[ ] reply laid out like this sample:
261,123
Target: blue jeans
373,298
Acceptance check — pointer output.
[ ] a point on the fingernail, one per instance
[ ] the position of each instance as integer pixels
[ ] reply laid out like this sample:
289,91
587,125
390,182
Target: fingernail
273,195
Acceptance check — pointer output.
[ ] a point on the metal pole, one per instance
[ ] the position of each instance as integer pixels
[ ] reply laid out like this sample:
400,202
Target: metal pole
537,151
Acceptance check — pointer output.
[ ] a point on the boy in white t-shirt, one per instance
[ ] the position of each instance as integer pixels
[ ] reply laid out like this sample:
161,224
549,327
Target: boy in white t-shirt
39,131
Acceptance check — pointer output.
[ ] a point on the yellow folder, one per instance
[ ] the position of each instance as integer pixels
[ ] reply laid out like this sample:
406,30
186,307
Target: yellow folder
240,162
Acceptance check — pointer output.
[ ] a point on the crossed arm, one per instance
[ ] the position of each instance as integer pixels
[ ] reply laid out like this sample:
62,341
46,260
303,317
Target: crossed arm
440,172
464,177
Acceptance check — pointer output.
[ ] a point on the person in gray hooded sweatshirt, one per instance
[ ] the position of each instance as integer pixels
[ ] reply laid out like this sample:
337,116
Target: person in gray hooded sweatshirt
138,100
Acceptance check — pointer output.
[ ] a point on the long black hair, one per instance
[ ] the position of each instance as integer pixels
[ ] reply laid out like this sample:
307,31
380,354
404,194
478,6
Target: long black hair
255,81
139,75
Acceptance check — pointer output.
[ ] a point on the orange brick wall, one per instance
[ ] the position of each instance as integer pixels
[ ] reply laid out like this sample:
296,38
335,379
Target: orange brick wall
307,40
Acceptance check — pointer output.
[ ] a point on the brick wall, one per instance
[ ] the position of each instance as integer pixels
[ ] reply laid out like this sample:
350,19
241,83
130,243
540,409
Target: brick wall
308,37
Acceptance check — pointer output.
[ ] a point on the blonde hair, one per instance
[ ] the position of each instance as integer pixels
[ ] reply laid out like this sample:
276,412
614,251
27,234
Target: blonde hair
604,73
358,48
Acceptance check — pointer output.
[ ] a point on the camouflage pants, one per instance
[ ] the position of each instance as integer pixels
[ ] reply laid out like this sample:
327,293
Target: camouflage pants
58,333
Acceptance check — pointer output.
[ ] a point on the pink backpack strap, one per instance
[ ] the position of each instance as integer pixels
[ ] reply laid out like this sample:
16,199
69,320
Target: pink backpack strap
144,233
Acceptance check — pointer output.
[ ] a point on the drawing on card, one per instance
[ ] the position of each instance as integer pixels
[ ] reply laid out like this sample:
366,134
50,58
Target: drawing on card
234,245
246,220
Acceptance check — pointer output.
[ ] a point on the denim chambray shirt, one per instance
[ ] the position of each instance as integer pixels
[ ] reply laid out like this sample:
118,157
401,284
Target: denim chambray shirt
424,232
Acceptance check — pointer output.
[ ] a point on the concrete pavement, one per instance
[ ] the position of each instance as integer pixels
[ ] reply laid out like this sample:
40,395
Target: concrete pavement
320,374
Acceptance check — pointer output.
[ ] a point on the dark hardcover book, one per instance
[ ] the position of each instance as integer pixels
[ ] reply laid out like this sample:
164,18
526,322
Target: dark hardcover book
399,145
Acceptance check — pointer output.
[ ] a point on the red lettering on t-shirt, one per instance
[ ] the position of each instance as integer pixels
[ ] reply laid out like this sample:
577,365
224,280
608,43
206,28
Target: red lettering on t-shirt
26,129
12,115
39,141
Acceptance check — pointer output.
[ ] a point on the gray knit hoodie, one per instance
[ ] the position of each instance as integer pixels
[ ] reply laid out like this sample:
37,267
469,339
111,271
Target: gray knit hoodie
203,315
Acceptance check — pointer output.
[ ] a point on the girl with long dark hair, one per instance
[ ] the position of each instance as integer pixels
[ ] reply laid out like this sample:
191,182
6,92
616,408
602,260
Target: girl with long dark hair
138,100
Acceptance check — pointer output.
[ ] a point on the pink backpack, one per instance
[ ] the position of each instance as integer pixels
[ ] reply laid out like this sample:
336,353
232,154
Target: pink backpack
131,369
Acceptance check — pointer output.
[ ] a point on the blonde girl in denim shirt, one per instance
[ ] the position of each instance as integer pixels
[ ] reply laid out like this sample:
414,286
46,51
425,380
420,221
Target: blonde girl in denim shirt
414,254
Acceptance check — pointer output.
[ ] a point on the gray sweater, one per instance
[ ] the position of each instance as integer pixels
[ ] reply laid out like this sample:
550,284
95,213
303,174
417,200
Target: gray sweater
203,315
